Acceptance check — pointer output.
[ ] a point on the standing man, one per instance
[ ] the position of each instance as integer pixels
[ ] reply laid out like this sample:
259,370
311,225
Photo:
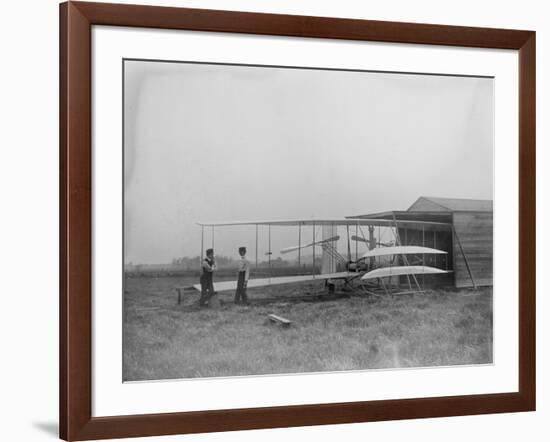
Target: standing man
242,278
207,277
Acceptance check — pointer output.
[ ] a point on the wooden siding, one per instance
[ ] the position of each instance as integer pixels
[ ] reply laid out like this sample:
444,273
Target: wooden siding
475,232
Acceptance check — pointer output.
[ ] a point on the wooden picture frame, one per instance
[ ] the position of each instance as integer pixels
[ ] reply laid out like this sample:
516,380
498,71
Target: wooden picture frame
76,21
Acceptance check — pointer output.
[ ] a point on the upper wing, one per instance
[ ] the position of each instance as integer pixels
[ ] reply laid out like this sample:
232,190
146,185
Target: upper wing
324,222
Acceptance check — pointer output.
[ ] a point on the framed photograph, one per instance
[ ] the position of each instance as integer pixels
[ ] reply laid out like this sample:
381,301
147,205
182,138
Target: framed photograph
275,220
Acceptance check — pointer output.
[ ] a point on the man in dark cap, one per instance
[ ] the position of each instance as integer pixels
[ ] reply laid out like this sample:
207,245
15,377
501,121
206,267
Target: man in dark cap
242,278
207,278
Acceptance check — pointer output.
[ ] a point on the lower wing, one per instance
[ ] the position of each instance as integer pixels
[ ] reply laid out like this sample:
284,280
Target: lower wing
263,282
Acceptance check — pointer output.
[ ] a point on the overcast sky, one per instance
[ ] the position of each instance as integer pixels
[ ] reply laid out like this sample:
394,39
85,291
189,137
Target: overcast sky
218,143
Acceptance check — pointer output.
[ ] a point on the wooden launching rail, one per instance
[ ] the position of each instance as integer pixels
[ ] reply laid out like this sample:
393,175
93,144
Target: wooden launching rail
182,290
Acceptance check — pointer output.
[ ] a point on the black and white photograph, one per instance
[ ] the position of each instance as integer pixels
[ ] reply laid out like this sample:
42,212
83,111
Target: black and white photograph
244,220
288,220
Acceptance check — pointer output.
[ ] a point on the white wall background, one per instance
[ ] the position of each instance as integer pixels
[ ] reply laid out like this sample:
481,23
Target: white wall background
29,217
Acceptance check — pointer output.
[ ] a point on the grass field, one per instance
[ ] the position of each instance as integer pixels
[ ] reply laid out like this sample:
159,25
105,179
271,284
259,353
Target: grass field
163,340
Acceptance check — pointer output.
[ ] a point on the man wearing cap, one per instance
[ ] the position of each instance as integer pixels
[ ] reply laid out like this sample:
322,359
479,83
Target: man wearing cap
242,278
207,277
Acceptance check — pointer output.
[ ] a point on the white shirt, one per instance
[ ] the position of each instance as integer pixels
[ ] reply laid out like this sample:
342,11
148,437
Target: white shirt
244,266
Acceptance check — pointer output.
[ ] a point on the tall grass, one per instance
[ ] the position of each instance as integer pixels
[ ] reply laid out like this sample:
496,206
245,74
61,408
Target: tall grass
163,340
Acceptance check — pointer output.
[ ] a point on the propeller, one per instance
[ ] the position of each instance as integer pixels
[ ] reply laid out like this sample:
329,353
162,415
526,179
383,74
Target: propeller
360,239
323,241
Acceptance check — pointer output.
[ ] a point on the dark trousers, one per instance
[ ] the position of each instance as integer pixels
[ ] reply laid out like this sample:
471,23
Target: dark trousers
207,290
240,294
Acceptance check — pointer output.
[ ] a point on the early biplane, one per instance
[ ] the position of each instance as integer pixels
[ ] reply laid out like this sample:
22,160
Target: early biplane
383,262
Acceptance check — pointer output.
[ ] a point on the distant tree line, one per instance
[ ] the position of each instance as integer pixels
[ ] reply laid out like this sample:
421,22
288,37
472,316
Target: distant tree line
226,262
192,263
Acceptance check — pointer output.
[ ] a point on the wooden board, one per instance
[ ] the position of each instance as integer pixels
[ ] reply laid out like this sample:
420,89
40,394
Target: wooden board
279,319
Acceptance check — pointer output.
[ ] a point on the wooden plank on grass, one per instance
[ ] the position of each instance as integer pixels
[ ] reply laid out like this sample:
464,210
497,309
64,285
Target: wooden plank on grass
279,320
